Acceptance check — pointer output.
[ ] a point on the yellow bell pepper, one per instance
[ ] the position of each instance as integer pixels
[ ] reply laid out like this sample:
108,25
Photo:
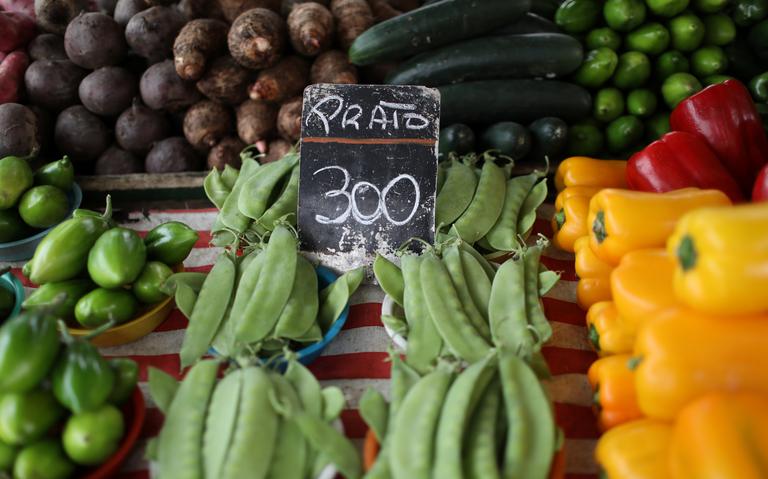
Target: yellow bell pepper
621,221
615,399
722,259
684,354
594,275
606,330
641,285
583,171
721,436
635,450
570,220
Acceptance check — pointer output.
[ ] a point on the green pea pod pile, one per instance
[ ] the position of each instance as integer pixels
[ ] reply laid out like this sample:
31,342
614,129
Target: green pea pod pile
491,420
261,301
252,423
487,208
455,302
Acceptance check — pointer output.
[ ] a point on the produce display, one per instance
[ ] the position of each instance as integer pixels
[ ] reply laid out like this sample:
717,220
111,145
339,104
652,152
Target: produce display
7,298
32,201
61,411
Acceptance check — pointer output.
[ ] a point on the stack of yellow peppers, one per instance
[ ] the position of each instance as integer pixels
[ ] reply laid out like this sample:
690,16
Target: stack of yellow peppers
682,382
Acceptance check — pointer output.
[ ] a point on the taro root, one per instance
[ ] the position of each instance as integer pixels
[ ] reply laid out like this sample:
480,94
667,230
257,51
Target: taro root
333,67
172,155
257,38
276,149
108,91
52,84
138,127
116,161
353,17
226,152
162,89
231,9
206,123
94,40
197,43
255,121
226,81
80,134
289,119
311,28
282,81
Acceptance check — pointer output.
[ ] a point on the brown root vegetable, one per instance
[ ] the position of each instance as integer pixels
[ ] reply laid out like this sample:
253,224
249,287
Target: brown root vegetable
19,133
255,121
126,9
206,123
277,149
162,89
116,161
282,81
289,4
94,40
80,134
226,152
353,17
383,10
333,67
47,47
196,43
151,32
289,119
226,81
53,84
138,127
12,76
172,155
257,38
311,28
234,8
54,15
108,91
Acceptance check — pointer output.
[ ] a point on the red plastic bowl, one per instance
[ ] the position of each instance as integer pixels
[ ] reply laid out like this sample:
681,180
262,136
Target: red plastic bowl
133,412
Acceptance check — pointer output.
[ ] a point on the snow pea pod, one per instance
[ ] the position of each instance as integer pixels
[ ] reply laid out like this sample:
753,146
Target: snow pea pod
490,271
300,312
255,193
485,208
456,193
290,457
395,324
215,189
424,341
221,422
170,242
230,215
334,298
333,403
374,411
535,198
285,204
249,277
547,280
192,279
503,235
480,453
536,317
185,298
390,278
229,176
308,389
478,283
452,260
162,388
508,313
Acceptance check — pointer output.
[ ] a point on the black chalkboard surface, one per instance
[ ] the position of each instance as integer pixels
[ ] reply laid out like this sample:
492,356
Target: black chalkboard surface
368,170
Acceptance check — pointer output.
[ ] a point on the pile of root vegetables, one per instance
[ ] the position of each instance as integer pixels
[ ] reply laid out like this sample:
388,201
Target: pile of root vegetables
157,86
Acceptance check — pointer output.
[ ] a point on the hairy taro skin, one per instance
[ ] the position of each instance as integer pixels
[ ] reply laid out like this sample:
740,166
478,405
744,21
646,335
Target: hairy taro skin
257,38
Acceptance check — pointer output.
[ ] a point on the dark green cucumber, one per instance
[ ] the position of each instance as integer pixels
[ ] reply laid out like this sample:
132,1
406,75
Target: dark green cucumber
530,23
515,56
434,25
521,101
545,8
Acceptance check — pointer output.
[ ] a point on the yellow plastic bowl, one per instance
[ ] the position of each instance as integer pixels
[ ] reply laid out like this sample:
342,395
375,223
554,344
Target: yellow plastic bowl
134,329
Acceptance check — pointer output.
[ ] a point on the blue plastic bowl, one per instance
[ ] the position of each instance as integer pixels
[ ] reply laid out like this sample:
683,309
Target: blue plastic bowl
307,355
12,284
24,249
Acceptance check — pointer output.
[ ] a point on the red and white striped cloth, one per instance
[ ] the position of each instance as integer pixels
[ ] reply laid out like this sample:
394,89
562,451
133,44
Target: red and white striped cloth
356,359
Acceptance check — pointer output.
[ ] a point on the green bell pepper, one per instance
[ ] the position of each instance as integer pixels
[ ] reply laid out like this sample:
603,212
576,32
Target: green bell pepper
126,378
60,174
29,344
103,305
170,242
63,253
15,178
116,258
47,296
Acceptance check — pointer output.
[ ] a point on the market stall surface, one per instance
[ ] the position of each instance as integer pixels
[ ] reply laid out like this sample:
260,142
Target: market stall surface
357,359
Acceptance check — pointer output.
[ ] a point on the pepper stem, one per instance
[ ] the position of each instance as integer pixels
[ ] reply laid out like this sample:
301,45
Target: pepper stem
634,362
100,330
686,253
560,219
108,209
596,400
594,337
598,227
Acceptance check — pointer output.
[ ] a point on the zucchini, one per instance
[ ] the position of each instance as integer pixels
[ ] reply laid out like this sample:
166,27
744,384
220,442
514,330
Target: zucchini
508,138
515,56
431,26
530,23
521,101
545,8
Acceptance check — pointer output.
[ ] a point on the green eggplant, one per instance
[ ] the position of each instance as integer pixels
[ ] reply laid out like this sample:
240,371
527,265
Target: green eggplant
15,178
29,344
43,206
82,379
60,174
12,227
63,253
148,286
102,305
47,296
7,457
170,242
82,212
126,378
26,417
45,459
116,258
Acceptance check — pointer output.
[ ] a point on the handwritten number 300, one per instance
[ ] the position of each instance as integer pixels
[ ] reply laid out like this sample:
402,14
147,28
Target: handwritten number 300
351,196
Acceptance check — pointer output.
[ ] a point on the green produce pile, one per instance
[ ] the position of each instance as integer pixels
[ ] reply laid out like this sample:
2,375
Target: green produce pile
491,420
487,208
59,400
253,423
646,56
32,201
264,300
7,297
454,299
123,271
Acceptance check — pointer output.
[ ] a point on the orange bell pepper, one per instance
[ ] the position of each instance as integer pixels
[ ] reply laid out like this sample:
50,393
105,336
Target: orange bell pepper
722,259
641,285
621,221
594,275
570,220
606,330
615,399
583,171
635,450
684,355
721,436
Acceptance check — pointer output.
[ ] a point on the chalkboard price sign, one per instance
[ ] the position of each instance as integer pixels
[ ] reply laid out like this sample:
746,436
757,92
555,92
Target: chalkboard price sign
368,170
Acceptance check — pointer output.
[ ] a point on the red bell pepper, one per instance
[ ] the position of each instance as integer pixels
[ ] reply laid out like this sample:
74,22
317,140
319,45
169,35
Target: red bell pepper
726,118
680,160
760,191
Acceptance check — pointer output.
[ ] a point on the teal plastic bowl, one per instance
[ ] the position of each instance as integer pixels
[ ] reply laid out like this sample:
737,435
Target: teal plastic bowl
24,249
12,284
